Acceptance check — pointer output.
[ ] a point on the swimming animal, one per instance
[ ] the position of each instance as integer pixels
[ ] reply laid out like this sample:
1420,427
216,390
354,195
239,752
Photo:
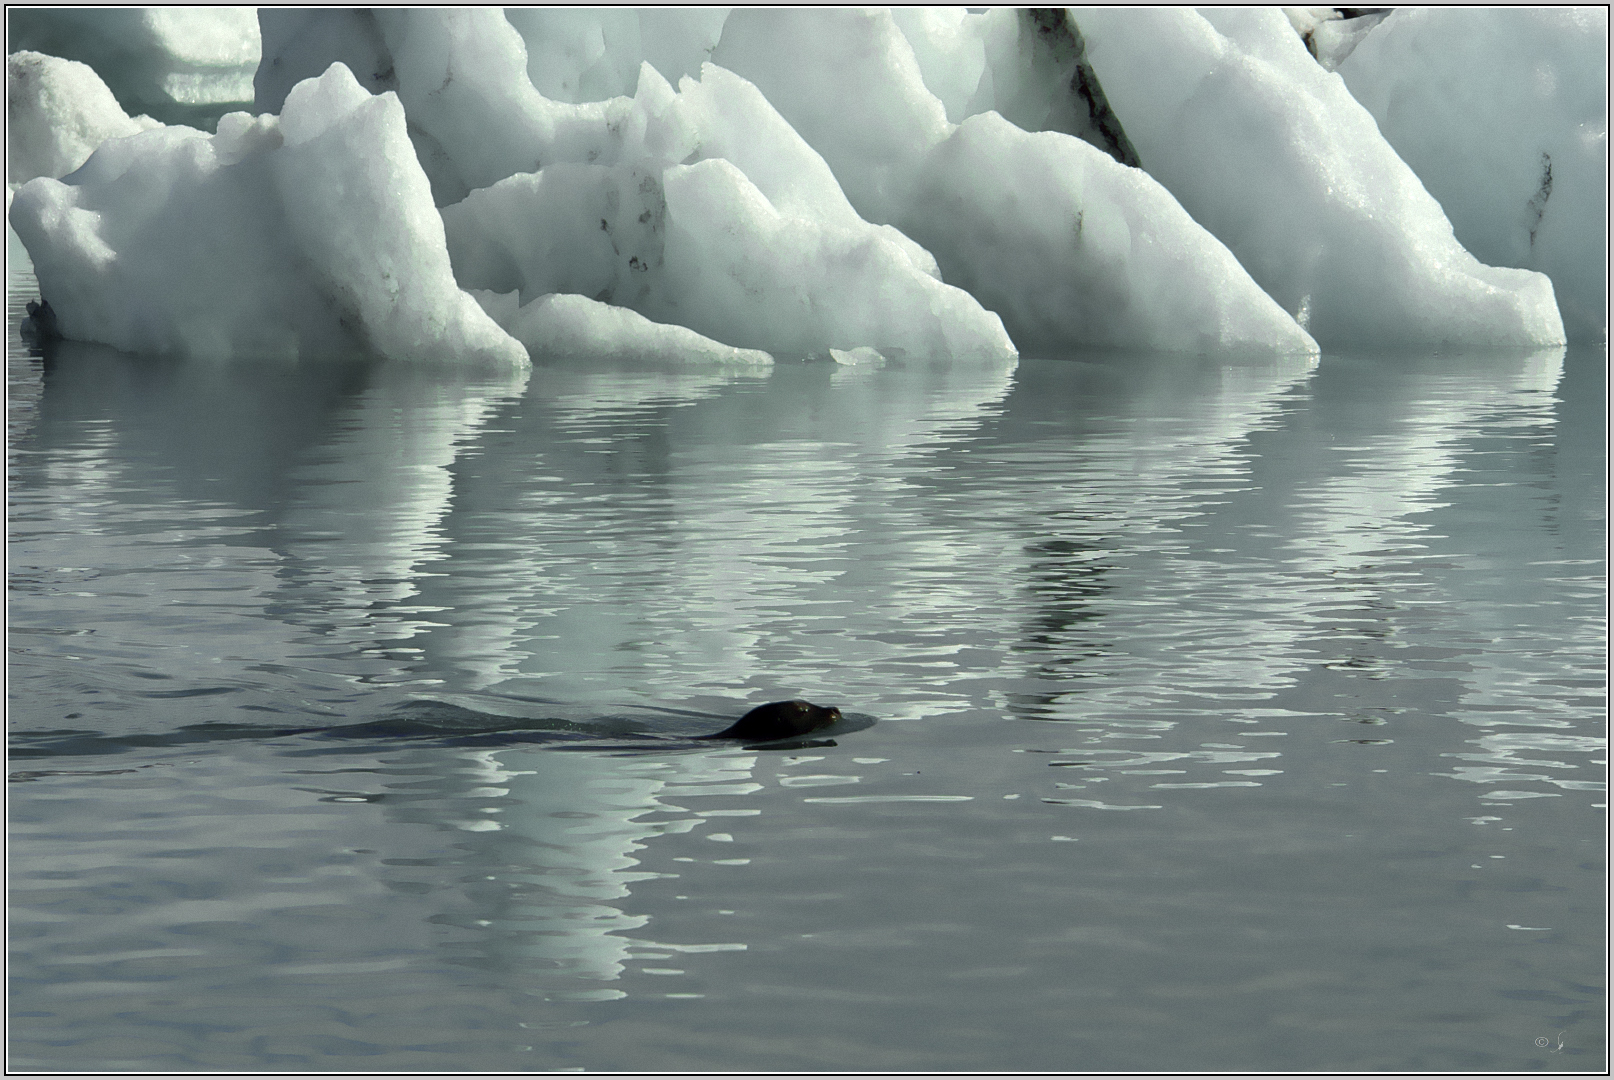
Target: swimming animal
779,720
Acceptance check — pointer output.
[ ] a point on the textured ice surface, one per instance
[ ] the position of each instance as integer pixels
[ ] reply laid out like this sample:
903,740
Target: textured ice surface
1070,247
893,183
565,325
300,235
1272,154
781,263
57,112
1502,113
591,54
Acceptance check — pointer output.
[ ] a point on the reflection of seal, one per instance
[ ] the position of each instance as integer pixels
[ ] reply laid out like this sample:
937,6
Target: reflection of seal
779,720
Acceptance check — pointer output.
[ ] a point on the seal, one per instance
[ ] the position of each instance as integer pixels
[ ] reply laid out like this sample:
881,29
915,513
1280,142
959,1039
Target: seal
779,720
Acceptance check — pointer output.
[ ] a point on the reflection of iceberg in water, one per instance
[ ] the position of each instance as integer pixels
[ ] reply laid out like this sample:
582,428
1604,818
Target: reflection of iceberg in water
1360,512
311,493
1368,514
1239,540
588,437
677,545
1412,609
1399,470
583,396
1162,442
548,855
366,522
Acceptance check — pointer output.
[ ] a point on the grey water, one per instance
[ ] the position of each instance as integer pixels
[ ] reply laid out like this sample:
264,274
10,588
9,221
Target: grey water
1216,714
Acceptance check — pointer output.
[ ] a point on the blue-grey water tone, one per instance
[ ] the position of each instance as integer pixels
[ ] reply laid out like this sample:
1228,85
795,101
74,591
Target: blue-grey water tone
1225,715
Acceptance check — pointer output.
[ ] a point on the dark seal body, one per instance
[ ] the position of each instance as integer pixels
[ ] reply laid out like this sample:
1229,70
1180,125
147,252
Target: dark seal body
779,720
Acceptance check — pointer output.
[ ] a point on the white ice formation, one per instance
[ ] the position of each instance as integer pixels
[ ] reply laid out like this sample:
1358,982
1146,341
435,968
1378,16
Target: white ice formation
593,54
1272,154
1332,34
1503,114
304,234
60,111
722,186
566,324
1070,247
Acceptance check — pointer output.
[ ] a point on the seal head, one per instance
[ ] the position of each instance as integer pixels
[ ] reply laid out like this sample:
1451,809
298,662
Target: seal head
779,720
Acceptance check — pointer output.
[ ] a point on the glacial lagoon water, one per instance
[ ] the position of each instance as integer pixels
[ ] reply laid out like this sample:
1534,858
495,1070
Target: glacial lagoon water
1226,715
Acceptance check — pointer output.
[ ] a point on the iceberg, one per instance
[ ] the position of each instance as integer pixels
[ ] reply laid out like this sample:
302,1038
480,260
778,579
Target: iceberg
1271,153
617,201
179,64
563,325
1072,248
1029,65
857,185
593,54
460,74
308,234
780,263
702,246
58,111
750,274
1503,114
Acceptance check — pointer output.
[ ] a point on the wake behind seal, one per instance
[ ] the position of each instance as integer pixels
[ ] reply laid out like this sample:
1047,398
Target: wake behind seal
779,720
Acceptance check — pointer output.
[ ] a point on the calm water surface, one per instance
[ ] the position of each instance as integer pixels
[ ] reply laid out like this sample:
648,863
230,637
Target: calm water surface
1228,715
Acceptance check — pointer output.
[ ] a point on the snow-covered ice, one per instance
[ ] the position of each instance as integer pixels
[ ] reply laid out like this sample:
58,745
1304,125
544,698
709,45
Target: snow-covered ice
725,186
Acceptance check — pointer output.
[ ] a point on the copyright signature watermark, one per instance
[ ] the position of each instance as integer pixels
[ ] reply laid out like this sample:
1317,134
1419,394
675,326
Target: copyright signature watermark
1544,1042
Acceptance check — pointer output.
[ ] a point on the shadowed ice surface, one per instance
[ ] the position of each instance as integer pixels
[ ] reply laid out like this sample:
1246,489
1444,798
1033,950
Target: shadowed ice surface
1239,716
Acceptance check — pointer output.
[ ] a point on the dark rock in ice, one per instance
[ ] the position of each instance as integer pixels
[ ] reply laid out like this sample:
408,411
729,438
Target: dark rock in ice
41,322
1538,202
1078,106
